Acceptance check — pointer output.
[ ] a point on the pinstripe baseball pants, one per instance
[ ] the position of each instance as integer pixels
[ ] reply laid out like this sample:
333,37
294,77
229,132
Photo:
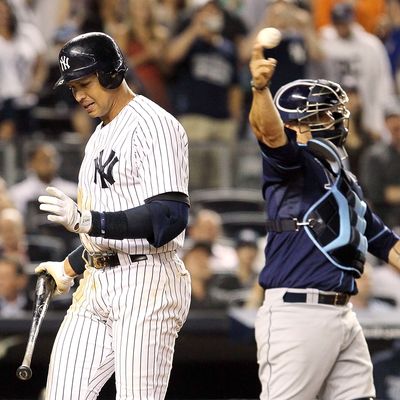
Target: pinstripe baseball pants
124,320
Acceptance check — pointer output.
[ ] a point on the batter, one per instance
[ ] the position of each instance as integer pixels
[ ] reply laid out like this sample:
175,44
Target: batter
131,216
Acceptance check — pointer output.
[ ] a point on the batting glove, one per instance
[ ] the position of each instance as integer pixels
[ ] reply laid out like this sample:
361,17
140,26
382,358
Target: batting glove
56,270
63,210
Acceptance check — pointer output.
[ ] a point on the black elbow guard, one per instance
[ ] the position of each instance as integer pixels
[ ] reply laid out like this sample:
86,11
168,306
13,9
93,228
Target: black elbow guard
169,219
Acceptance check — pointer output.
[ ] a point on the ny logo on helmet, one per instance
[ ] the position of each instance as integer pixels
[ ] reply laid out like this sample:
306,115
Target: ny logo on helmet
104,169
64,63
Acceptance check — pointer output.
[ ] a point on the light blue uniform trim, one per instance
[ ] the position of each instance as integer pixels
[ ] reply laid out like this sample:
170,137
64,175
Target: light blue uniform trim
322,148
378,234
344,234
336,264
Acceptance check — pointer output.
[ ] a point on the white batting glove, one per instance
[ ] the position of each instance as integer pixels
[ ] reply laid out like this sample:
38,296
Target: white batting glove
56,270
63,210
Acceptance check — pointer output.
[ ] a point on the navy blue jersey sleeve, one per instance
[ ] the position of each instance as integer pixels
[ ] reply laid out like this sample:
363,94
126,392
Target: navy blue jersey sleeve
380,238
285,156
279,163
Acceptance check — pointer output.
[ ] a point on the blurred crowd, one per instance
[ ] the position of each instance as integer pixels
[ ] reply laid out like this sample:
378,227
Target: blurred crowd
191,57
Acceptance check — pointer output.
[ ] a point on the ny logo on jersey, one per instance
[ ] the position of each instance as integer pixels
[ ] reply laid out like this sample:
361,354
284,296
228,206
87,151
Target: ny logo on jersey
64,63
105,169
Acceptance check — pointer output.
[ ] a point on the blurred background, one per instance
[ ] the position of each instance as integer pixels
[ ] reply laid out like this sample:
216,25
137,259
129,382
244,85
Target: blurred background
204,82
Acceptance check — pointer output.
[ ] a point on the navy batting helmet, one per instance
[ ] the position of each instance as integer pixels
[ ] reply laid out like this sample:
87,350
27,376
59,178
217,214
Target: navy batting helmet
316,104
92,53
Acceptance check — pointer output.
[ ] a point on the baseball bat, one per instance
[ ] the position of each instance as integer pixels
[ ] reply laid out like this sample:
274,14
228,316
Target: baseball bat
45,286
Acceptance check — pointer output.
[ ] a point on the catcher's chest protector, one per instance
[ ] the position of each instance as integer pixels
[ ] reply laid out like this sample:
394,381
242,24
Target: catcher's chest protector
338,223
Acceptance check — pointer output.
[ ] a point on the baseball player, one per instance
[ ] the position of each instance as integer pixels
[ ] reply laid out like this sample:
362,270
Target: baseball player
310,344
131,215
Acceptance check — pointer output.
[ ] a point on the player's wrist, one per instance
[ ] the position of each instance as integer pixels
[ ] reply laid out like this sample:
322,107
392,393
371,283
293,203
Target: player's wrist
98,224
68,270
84,223
259,88
77,261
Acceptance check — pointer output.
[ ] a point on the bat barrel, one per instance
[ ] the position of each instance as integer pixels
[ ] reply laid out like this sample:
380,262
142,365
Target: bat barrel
44,288
24,372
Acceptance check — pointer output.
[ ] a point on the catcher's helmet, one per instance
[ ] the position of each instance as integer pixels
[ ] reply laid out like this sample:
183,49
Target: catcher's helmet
316,104
92,53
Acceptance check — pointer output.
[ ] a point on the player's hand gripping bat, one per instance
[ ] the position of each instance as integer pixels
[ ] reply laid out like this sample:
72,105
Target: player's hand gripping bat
45,286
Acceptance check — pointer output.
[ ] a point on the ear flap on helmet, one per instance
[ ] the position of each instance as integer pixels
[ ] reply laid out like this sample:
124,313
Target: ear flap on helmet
111,80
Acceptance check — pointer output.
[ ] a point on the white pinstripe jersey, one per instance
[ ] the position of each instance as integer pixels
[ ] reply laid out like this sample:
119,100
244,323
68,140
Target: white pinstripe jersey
142,152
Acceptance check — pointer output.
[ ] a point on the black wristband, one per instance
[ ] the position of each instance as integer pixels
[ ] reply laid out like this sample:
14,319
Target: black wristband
134,223
95,230
115,225
76,261
102,224
259,89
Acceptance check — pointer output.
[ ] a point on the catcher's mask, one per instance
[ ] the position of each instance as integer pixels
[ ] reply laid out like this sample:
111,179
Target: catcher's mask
317,106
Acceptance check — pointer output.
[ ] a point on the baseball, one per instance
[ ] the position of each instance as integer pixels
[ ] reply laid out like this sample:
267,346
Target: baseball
269,37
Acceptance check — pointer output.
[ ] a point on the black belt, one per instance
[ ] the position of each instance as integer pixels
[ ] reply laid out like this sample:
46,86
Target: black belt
287,225
334,299
111,260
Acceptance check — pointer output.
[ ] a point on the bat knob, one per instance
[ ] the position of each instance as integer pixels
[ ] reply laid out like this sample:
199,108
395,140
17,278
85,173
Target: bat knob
24,373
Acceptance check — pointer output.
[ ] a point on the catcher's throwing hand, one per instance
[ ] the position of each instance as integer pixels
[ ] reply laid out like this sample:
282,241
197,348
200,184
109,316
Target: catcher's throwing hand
261,68
63,210
56,270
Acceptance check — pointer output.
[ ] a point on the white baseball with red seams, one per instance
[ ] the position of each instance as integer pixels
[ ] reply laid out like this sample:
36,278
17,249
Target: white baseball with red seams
269,37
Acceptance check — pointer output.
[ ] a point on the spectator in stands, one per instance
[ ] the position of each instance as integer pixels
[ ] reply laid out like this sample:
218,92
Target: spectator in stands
250,12
198,262
12,235
168,13
206,227
351,51
113,17
43,161
5,199
299,46
386,372
47,15
63,113
389,32
235,288
365,301
360,136
146,41
298,52
205,92
234,28
247,251
367,12
23,71
14,298
379,168
386,283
